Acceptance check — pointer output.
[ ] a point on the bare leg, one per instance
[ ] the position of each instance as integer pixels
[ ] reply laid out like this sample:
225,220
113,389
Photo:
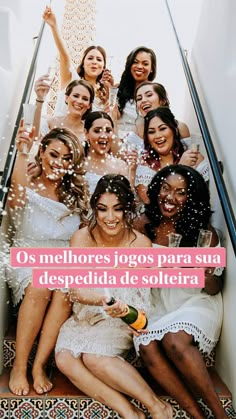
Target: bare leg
166,375
123,377
58,312
30,318
83,379
187,358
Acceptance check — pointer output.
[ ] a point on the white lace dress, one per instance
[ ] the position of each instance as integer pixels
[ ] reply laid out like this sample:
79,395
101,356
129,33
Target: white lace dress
144,174
44,129
188,309
127,121
92,180
41,223
90,330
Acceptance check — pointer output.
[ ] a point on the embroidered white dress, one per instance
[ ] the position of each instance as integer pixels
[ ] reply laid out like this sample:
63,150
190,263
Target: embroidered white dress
90,330
126,123
92,180
40,223
44,129
144,174
188,309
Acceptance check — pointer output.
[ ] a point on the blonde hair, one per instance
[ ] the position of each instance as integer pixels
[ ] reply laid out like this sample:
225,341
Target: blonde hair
73,189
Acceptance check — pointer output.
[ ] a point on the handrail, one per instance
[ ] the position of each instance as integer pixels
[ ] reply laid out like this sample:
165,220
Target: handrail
7,171
215,165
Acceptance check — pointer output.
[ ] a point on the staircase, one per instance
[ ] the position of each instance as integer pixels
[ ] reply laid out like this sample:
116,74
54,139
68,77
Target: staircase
65,401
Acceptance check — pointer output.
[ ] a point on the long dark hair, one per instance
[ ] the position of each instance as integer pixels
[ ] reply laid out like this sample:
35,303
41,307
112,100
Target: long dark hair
85,84
101,91
127,83
80,69
196,212
120,186
165,114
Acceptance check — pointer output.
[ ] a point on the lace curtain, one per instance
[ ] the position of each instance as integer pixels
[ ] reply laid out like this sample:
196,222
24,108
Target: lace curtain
78,31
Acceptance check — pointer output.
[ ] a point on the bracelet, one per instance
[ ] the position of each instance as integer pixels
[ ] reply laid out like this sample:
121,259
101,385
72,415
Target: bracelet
39,100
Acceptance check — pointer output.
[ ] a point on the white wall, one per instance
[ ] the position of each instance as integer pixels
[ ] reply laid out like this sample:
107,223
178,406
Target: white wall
213,63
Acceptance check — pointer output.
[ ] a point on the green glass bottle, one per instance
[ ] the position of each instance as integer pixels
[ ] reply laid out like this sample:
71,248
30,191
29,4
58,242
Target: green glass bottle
134,318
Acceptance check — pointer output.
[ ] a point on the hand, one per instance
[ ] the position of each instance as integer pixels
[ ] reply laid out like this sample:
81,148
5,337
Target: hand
132,158
189,158
49,17
24,139
139,332
32,169
118,309
42,86
107,78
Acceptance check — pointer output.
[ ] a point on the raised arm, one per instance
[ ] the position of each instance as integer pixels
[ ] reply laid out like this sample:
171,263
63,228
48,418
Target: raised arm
65,61
20,179
41,88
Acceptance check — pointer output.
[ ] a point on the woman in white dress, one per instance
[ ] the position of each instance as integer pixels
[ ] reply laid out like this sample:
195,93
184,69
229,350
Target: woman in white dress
99,133
79,97
92,68
93,342
184,321
150,95
46,210
162,147
140,66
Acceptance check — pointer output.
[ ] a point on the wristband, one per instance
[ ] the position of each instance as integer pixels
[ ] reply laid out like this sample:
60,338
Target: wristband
39,100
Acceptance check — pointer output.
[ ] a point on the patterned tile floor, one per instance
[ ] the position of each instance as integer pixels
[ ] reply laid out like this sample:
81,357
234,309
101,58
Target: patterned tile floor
65,402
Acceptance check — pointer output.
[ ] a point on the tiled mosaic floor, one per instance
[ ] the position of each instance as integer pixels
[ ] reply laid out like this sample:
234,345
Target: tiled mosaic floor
78,408
66,402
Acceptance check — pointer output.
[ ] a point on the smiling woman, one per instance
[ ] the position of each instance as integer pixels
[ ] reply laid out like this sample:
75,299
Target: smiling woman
162,148
93,342
79,97
46,210
99,161
140,66
184,321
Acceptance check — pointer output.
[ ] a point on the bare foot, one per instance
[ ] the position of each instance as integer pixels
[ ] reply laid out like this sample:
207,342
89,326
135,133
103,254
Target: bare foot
136,413
162,408
41,383
18,383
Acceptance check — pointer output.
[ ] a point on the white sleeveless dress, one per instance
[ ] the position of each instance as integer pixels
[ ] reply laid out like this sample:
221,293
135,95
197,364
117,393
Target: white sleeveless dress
92,180
90,330
126,123
188,309
40,223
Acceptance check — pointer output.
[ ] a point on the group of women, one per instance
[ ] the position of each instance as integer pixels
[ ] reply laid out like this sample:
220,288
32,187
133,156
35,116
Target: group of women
83,190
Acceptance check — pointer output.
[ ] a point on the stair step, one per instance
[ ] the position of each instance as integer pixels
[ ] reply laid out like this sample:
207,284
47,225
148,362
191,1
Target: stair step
66,401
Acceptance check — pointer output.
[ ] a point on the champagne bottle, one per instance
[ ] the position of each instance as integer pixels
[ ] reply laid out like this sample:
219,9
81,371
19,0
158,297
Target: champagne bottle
134,318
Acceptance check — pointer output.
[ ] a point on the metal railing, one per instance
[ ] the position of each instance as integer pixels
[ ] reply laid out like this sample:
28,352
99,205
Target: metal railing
7,171
215,165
